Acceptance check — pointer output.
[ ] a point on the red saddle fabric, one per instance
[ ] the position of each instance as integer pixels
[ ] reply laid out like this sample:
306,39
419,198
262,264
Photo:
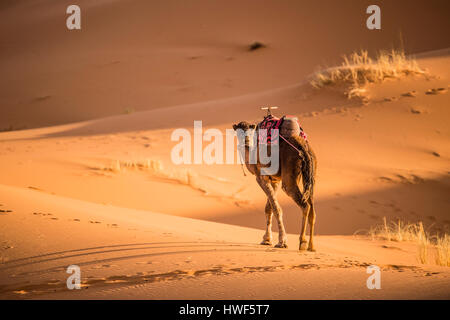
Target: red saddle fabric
270,123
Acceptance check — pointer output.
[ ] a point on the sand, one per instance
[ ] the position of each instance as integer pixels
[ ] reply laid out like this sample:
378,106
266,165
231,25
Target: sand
87,107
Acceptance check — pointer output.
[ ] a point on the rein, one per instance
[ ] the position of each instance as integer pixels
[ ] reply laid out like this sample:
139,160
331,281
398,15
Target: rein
299,152
242,164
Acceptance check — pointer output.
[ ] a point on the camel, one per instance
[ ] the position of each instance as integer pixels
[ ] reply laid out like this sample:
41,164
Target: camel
296,160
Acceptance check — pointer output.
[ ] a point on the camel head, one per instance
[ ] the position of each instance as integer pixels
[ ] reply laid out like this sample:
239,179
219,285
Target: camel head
244,130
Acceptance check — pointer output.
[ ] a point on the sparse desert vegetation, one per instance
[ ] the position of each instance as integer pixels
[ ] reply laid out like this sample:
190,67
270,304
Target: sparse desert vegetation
156,169
443,250
183,177
358,69
428,245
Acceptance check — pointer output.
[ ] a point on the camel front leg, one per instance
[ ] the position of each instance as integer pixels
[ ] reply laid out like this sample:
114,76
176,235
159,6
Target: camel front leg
267,238
268,189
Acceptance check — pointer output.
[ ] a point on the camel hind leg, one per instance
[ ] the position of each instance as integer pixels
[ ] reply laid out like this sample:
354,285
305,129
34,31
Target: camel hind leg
290,186
312,221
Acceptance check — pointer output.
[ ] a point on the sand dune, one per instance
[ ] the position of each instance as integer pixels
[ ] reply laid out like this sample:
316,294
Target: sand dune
174,53
139,254
90,182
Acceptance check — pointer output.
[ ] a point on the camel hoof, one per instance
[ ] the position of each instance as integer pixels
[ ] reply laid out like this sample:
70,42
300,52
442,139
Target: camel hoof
281,245
266,243
302,246
311,249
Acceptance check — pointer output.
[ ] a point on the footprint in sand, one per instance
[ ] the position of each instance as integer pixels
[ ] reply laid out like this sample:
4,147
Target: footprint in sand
42,214
34,188
384,179
418,110
390,99
399,178
401,268
95,222
391,247
6,246
410,94
436,91
4,212
41,98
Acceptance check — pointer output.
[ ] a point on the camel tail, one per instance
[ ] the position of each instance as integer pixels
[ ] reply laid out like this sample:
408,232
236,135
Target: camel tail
308,167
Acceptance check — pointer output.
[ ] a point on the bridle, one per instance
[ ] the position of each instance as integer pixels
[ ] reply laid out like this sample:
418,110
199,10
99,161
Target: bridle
246,144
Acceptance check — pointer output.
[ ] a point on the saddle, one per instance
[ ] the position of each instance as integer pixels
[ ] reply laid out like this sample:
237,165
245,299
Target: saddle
287,126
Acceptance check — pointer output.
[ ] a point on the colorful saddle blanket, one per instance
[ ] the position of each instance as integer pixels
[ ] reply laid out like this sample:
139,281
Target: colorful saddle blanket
269,124
266,133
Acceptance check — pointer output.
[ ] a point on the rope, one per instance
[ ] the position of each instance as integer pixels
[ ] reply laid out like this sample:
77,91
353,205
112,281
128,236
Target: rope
299,152
242,159
242,162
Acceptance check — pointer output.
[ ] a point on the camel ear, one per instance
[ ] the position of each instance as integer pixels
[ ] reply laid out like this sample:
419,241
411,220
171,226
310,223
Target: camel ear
252,126
235,126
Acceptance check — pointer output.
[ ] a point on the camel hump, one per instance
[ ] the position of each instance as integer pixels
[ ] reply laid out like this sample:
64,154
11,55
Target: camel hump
290,127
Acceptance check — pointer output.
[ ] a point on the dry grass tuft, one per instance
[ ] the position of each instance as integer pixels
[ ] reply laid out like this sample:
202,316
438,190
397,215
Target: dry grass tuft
184,177
415,232
443,250
156,169
118,166
358,70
